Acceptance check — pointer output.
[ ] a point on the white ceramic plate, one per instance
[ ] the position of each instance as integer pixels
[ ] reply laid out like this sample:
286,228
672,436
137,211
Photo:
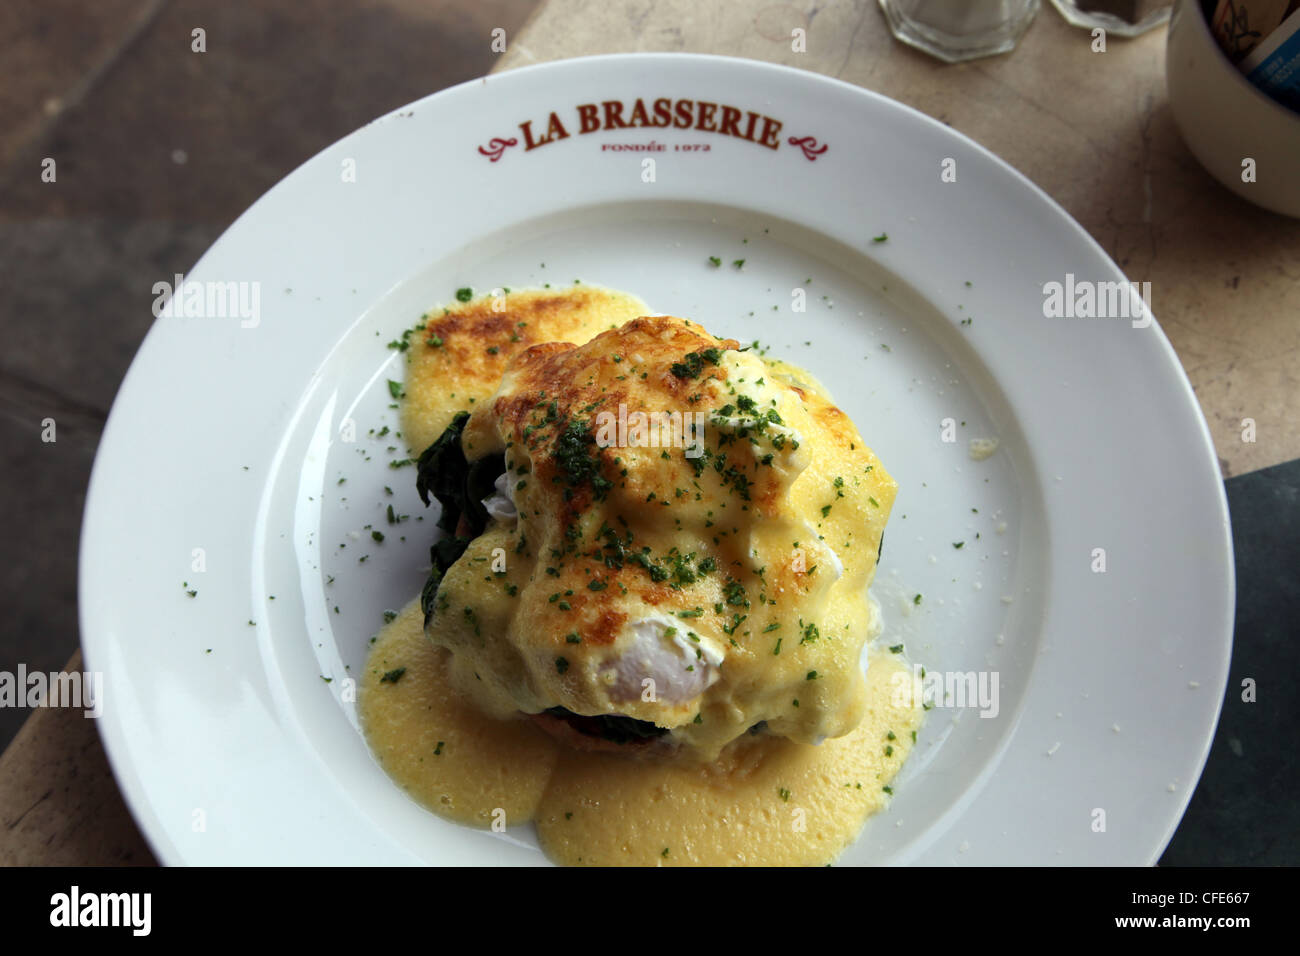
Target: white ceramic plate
228,436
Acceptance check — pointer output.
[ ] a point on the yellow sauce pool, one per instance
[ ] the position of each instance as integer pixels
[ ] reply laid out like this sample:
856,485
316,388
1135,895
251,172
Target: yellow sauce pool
767,802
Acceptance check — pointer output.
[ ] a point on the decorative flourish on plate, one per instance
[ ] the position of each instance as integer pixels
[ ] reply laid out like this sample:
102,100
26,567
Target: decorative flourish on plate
809,146
496,146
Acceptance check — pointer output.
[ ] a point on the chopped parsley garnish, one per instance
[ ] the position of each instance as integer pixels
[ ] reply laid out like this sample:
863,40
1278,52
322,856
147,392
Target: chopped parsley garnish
465,294
393,676
734,592
578,463
693,363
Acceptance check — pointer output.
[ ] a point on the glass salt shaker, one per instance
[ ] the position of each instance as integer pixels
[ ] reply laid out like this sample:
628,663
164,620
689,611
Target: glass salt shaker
1124,18
956,30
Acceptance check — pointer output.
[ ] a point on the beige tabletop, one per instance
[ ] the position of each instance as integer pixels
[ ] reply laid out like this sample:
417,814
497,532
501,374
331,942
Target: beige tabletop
1092,129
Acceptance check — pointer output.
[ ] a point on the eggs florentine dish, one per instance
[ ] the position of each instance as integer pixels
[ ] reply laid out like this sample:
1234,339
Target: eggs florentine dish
641,592
656,548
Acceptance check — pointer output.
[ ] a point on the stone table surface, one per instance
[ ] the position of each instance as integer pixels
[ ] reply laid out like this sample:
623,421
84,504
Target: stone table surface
1093,129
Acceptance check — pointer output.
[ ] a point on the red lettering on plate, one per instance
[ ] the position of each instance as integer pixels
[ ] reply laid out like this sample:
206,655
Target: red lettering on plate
684,119
588,115
682,113
706,117
639,115
730,117
663,112
554,130
614,114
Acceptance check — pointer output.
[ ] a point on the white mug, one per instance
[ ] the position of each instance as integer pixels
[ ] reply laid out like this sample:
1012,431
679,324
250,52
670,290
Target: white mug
1244,138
